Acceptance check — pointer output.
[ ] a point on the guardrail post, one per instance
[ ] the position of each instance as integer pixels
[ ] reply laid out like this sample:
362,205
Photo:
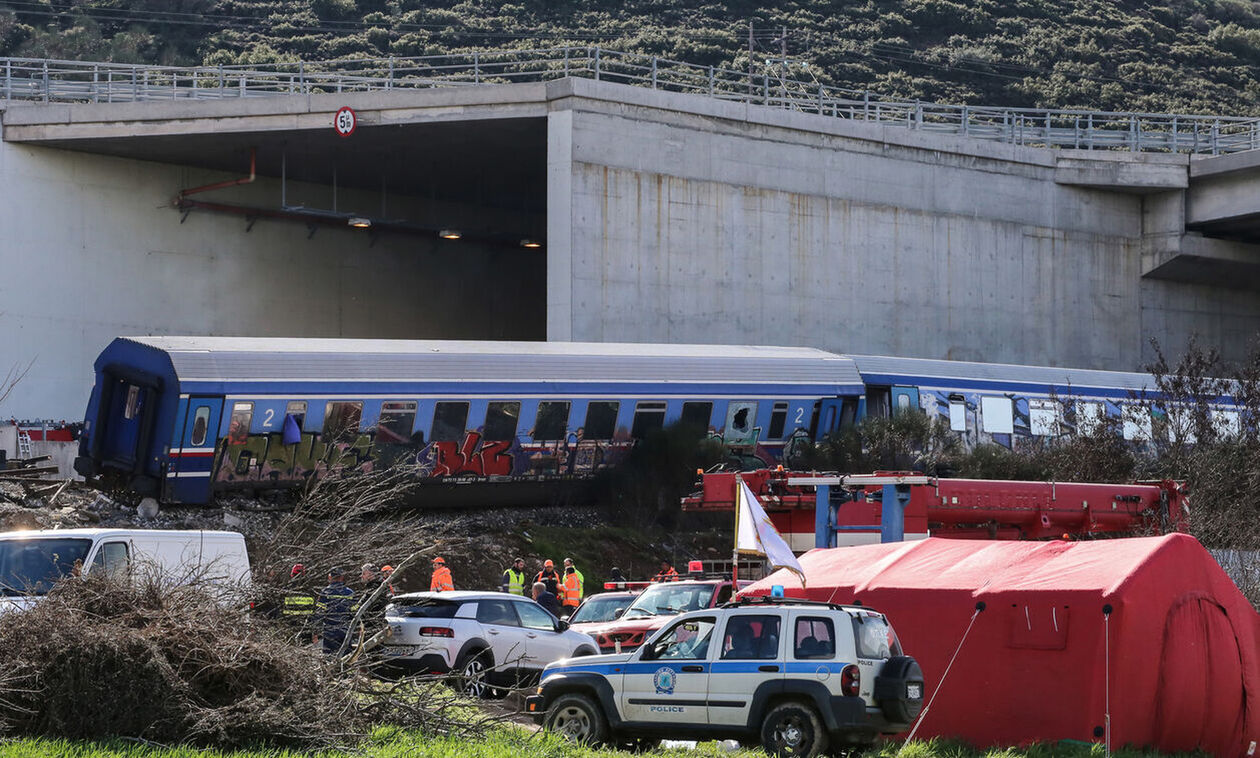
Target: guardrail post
8,80
1048,144
1216,133
712,83
963,120
655,61
389,83
765,89
1174,135
866,105
597,64
242,86
302,76
96,82
1089,132
1135,137
820,99
45,81
222,83
144,90
476,67
135,85
566,61
1076,132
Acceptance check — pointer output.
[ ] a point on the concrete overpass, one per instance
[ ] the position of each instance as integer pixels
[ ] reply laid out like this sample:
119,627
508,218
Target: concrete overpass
665,216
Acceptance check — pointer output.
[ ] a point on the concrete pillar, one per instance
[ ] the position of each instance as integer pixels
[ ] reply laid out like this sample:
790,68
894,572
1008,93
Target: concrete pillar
560,226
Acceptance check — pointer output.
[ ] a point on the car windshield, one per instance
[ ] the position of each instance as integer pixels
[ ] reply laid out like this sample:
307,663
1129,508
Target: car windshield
667,599
32,566
599,609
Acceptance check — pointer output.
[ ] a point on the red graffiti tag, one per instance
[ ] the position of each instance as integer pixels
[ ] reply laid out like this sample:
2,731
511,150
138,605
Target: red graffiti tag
471,458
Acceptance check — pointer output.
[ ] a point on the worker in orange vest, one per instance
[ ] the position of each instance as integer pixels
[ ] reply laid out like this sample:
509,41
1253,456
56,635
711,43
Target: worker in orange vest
441,581
570,592
667,573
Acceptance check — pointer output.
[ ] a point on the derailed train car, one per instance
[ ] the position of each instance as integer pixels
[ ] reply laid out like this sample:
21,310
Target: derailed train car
182,419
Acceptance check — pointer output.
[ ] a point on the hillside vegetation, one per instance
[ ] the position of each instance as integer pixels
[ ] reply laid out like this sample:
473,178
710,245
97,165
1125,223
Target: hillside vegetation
1149,55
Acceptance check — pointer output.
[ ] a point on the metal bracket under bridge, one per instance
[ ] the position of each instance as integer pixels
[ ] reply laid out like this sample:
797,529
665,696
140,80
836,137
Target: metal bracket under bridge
41,80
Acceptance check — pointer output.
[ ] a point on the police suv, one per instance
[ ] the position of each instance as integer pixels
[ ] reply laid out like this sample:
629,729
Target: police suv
795,676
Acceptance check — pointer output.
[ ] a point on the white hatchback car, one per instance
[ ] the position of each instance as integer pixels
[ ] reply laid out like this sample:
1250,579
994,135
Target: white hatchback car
483,637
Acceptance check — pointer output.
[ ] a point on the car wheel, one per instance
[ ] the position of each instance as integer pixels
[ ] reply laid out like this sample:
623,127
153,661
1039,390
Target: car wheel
472,676
793,729
583,651
578,719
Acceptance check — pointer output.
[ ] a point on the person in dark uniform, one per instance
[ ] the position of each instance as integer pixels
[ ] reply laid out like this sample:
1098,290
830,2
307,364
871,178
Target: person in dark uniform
333,612
547,600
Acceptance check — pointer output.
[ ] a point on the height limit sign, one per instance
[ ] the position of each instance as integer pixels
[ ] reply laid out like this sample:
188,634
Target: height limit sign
345,121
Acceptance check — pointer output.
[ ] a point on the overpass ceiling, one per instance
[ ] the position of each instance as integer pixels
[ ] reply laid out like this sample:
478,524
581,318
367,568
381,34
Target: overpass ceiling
496,162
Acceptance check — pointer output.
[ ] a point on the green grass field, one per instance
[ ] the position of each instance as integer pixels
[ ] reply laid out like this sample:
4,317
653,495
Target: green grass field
507,742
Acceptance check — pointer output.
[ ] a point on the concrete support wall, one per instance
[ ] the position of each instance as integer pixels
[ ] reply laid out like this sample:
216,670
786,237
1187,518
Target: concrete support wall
731,226
91,249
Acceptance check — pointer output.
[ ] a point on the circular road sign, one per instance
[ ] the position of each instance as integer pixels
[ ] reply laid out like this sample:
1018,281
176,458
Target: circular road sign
345,121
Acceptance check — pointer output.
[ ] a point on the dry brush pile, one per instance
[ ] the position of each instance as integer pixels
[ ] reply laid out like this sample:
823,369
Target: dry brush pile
139,658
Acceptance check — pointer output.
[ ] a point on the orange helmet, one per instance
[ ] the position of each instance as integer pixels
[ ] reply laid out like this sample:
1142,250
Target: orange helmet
439,560
387,567
548,564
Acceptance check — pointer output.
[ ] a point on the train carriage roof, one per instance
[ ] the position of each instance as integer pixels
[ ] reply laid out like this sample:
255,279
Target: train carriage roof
222,361
923,372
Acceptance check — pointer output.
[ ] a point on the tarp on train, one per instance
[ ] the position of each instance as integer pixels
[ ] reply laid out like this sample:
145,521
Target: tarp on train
1148,630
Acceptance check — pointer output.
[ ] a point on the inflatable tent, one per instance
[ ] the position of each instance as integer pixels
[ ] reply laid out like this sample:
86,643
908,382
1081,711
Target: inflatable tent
1149,631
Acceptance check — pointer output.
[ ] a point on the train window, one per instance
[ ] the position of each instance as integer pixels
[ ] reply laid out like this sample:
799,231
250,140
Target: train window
741,423
1043,418
697,415
813,419
778,420
501,420
1089,417
133,401
601,420
649,415
1180,424
957,413
397,419
1226,423
341,421
553,421
201,424
997,415
238,427
449,422
296,409
1137,422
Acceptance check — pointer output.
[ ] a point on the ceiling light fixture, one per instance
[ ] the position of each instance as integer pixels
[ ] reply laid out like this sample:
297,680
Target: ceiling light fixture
359,222
450,234
530,243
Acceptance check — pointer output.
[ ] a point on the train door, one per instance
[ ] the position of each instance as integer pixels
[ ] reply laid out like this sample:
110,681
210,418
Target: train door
904,399
129,418
830,413
192,460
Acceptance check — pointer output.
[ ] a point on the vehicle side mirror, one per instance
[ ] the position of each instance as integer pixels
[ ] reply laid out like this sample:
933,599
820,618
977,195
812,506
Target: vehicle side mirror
561,625
617,613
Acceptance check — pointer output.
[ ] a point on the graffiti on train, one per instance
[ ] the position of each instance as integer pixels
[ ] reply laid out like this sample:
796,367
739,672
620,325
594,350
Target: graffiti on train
265,459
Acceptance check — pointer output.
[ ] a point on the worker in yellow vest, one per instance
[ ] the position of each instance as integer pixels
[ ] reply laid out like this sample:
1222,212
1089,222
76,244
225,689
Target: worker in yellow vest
514,578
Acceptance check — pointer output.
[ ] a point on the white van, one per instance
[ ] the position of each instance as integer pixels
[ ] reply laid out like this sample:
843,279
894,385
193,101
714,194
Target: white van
32,561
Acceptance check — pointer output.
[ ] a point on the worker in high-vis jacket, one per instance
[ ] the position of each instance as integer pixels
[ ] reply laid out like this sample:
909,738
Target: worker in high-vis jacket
441,581
570,592
514,578
568,564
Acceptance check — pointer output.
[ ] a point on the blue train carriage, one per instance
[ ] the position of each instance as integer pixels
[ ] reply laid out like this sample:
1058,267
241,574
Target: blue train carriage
183,418
1007,404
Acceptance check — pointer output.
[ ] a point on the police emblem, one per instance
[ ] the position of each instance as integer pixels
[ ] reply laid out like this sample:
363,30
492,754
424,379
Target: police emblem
664,681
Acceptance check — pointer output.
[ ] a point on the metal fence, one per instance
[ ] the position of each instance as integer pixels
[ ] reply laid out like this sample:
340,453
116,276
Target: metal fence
40,80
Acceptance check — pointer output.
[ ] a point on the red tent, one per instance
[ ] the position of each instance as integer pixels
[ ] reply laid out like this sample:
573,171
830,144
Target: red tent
1179,646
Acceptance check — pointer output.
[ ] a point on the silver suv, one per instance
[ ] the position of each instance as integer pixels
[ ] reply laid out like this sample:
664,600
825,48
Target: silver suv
485,638
796,677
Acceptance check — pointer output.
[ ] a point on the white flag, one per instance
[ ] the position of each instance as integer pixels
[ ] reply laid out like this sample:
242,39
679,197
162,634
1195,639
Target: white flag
755,535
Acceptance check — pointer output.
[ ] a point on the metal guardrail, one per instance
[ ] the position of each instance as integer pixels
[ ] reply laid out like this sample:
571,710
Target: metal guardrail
27,79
